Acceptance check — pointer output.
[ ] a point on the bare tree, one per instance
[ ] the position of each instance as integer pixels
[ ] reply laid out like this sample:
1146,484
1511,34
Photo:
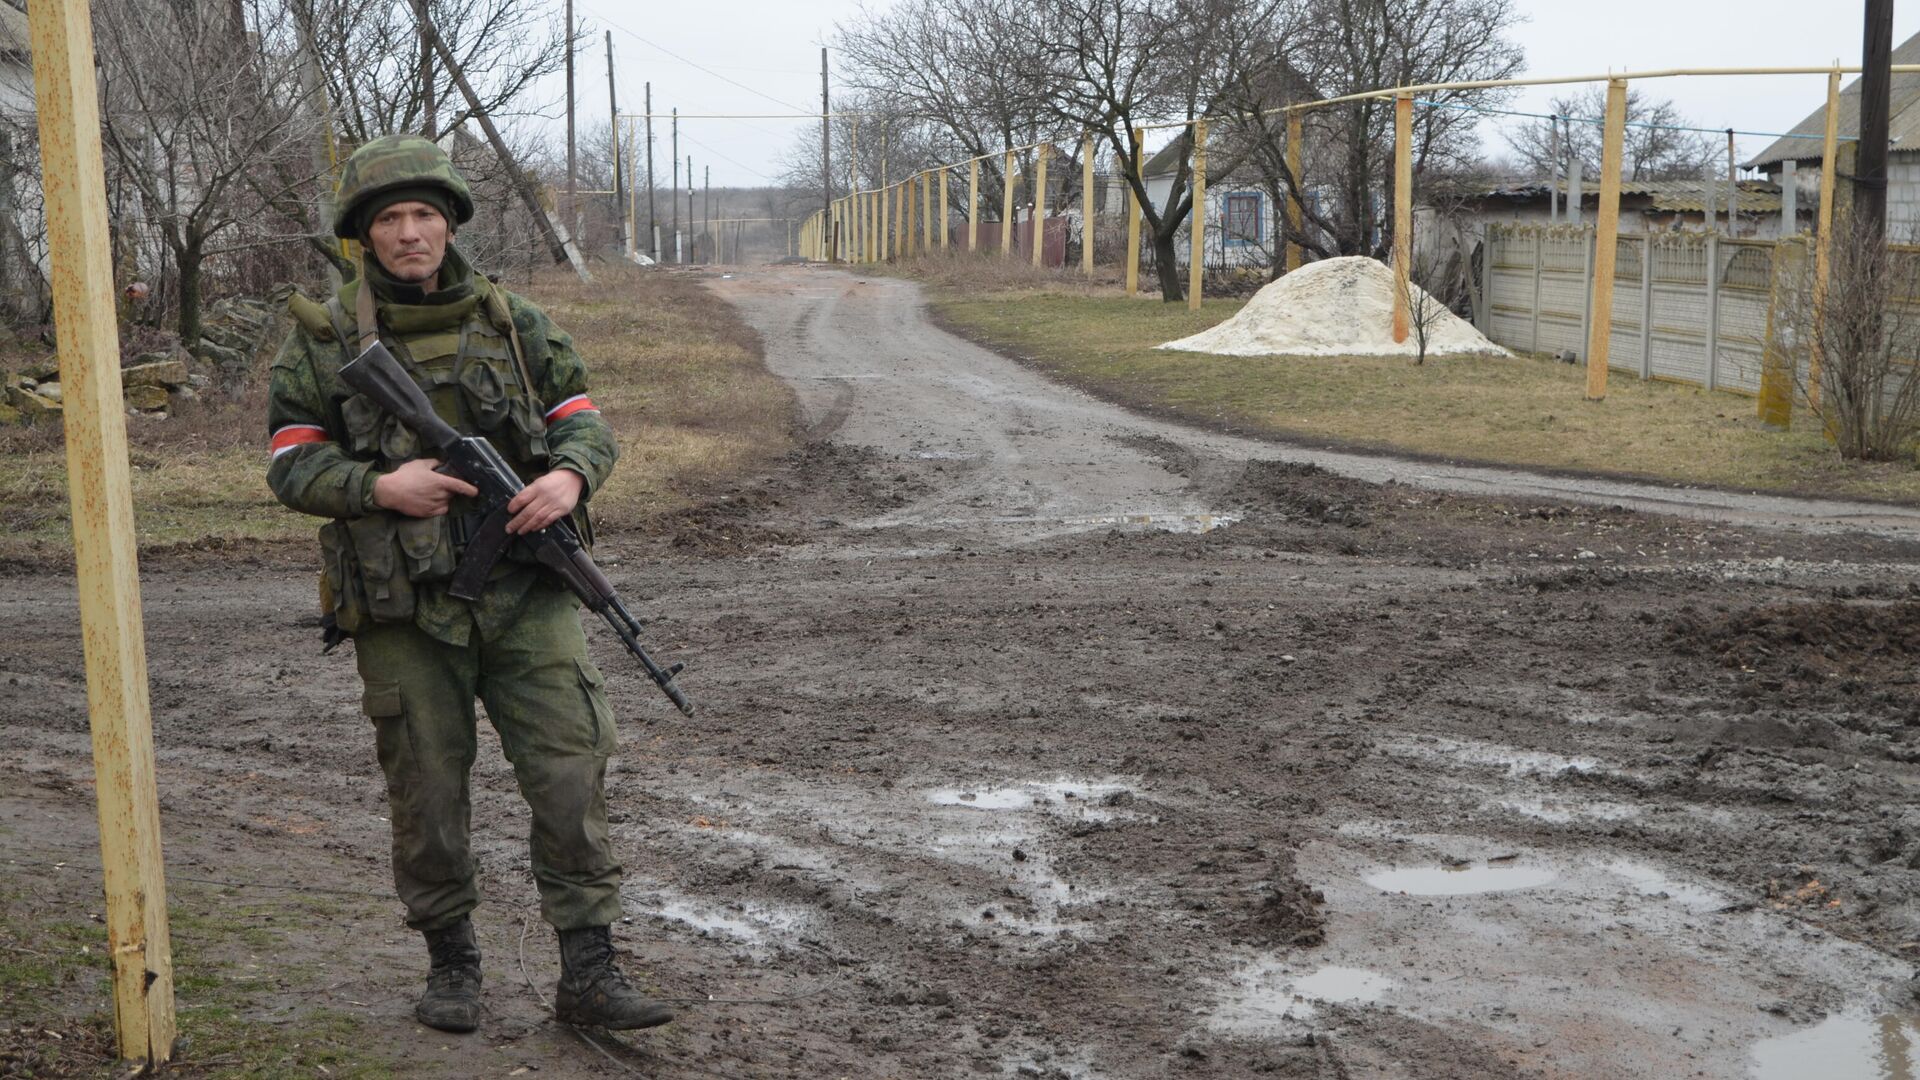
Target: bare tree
194,124
1656,147
1863,329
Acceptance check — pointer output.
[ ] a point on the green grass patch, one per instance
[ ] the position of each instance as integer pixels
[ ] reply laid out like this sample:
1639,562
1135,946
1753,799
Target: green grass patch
56,993
1519,411
674,370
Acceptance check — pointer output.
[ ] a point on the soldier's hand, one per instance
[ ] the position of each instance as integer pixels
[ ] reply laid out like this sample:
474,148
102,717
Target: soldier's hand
415,490
545,501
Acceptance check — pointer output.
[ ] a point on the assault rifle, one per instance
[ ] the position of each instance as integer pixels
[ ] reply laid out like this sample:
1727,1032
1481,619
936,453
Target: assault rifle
472,458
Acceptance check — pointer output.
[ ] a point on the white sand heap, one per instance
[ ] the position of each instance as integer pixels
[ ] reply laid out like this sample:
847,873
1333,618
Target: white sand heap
1335,307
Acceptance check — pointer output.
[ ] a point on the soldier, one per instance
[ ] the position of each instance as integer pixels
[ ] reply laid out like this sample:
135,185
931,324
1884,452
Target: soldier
494,365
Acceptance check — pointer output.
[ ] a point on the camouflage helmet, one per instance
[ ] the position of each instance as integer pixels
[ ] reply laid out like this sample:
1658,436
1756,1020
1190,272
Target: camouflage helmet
389,164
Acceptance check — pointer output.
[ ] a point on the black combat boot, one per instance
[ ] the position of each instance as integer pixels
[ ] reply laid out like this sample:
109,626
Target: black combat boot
452,1000
593,992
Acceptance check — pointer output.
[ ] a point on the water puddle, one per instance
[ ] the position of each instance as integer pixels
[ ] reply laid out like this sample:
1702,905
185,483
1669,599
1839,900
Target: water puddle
1175,523
1460,880
1649,881
1083,797
946,455
1517,762
749,924
1567,811
1846,1047
1263,995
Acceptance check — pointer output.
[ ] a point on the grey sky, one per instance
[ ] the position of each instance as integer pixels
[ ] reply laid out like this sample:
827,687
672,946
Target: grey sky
770,50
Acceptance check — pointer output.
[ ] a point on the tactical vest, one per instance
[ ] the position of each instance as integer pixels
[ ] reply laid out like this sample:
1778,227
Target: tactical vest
476,376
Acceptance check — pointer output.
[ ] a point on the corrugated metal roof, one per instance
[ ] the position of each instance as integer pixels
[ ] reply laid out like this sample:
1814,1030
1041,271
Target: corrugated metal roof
1807,139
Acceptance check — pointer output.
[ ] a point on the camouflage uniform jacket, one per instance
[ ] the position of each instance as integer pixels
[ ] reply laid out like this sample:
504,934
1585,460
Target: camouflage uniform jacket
327,452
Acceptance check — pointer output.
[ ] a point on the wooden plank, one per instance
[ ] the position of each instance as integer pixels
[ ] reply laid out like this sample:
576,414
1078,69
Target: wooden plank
1133,221
946,219
1197,225
1006,207
973,205
1402,211
1039,230
1294,216
1606,241
926,212
1830,153
1086,206
105,555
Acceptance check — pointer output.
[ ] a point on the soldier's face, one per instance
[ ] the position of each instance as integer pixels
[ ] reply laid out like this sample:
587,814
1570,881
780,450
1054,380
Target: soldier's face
410,240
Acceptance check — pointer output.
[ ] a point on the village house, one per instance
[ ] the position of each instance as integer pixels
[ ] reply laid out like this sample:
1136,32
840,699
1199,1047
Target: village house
1805,142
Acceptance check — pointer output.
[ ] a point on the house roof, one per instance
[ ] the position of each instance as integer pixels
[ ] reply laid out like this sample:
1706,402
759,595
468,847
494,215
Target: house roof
1806,141
1672,196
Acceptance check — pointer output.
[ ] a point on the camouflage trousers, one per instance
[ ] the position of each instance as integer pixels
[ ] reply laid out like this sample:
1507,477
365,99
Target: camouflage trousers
548,704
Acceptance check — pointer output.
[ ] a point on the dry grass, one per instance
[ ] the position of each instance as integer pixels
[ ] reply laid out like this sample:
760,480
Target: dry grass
1520,411
672,368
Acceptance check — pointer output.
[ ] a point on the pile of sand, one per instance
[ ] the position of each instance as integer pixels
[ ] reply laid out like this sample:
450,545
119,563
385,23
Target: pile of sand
1335,307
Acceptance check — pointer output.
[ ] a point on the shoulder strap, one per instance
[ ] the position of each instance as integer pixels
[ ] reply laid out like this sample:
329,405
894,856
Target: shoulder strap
501,316
363,309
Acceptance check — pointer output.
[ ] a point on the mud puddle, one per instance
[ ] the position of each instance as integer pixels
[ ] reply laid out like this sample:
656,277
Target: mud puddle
1467,880
1261,998
1855,1046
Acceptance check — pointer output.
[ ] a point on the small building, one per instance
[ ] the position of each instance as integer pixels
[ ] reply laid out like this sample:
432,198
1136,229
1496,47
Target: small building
1805,143
1239,213
1645,206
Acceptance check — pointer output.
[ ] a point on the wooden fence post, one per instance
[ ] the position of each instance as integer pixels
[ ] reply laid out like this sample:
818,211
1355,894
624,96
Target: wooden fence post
1830,149
1197,225
1402,211
1040,205
1294,192
1006,207
1086,206
973,204
926,212
105,557
1606,240
1133,219
946,219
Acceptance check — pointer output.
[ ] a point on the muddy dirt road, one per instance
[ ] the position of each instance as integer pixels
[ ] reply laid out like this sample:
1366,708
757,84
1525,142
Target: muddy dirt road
1041,740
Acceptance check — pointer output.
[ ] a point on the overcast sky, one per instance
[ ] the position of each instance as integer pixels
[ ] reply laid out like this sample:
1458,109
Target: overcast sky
762,56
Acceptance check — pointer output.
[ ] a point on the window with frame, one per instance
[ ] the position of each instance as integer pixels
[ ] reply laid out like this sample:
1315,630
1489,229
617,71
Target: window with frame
1242,215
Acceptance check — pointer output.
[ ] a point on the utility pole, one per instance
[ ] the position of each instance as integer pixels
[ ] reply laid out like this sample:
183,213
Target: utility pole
619,192
673,198
653,227
429,113
706,208
573,176
561,247
693,220
1870,162
826,160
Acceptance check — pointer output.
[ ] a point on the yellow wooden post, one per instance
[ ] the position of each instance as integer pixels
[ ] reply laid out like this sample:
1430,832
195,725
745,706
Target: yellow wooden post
1006,207
1086,206
1133,220
1606,240
973,204
903,220
1830,151
926,212
1402,210
105,557
1197,226
1294,193
1040,205
946,220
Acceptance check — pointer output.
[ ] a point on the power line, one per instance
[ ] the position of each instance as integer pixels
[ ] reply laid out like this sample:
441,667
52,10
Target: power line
727,159
723,78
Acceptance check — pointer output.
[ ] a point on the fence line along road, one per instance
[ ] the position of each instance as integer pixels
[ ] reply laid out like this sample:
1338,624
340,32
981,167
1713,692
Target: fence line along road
856,227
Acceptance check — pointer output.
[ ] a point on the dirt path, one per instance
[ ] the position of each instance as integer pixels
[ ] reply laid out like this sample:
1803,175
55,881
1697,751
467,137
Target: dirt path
1041,740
